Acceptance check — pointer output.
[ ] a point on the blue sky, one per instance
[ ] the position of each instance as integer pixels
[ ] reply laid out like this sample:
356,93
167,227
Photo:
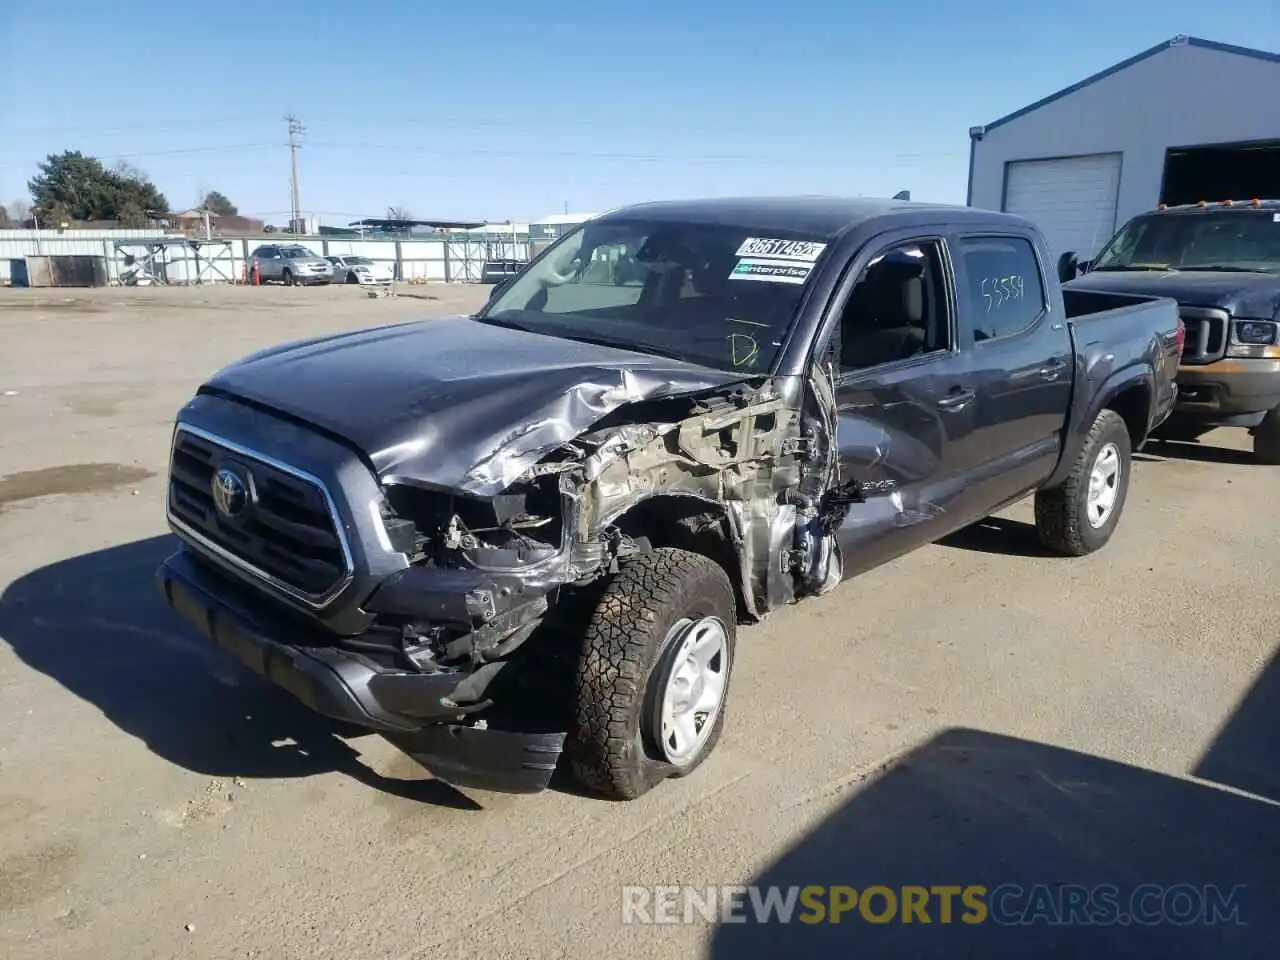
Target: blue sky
466,110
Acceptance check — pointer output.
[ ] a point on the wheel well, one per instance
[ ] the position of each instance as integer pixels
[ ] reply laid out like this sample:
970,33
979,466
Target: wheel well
1133,404
690,524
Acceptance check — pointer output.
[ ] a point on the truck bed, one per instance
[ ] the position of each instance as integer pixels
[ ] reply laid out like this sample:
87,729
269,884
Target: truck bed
1083,304
1123,344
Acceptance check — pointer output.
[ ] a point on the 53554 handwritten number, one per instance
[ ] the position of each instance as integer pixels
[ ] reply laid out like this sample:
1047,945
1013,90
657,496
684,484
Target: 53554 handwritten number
997,291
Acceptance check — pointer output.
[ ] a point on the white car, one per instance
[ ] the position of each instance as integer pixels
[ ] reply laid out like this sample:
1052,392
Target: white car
353,269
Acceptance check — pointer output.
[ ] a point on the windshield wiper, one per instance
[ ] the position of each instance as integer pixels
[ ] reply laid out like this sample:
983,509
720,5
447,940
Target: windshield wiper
623,345
509,324
1223,268
1143,268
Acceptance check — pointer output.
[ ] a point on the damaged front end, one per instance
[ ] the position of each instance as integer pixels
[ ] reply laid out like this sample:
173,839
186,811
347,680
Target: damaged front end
462,646
728,473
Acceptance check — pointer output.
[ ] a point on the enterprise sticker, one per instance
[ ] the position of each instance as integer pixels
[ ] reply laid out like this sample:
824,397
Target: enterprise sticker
806,251
774,271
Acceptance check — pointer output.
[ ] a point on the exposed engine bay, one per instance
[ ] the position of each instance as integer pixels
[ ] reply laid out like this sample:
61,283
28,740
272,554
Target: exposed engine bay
727,473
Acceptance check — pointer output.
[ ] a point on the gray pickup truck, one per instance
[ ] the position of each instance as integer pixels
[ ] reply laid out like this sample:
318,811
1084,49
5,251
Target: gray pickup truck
1221,262
500,538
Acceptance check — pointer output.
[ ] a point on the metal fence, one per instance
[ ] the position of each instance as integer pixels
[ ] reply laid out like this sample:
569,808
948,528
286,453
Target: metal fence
140,256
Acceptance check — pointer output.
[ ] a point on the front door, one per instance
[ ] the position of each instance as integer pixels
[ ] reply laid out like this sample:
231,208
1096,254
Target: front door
904,400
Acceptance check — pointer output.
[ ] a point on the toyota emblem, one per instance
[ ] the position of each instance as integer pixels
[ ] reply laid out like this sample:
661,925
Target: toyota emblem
230,493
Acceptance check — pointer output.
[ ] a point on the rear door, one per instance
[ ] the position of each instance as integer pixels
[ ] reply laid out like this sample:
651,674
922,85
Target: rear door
904,397
1022,359
268,258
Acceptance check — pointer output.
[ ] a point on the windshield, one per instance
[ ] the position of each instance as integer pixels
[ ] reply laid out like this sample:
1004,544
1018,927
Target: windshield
718,296
295,253
1243,241
358,261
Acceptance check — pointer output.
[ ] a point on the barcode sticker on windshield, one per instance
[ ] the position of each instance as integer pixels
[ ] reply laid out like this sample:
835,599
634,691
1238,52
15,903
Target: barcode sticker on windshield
805,251
776,271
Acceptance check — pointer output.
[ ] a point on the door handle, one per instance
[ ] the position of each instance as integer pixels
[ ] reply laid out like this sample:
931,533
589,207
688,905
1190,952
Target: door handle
1053,369
956,399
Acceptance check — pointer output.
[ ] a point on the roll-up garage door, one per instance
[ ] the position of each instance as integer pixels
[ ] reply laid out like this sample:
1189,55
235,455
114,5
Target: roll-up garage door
1071,199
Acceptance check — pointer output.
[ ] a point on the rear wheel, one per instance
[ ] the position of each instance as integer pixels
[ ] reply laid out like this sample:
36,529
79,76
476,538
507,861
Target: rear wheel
1080,515
1266,438
653,678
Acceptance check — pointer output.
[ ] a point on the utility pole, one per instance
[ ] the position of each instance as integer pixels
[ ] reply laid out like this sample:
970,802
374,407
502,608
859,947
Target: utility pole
295,131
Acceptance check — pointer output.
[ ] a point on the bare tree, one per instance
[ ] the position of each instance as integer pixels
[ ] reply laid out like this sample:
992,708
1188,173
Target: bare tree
127,170
19,212
398,213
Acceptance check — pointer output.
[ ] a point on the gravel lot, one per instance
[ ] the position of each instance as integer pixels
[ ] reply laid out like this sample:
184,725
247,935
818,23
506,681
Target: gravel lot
976,713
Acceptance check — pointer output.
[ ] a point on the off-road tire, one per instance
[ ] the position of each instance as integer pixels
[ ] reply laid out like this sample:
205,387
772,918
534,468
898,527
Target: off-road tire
609,750
1061,513
1266,439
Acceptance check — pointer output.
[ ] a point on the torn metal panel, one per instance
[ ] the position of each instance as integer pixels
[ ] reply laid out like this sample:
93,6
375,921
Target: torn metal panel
455,403
737,454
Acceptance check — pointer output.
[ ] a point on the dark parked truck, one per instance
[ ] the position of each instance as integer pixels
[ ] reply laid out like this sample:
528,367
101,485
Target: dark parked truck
499,538
1221,262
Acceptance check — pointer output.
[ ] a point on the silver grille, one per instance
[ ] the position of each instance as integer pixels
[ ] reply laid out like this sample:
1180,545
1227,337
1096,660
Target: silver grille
1207,331
289,536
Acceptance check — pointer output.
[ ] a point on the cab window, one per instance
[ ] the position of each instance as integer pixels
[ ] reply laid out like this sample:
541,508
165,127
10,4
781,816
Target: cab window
897,309
1003,291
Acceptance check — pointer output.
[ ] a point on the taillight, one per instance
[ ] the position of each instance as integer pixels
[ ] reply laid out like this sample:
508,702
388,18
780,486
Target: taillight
1181,336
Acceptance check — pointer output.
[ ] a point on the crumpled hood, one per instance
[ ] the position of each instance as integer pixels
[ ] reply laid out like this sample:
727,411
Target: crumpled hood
1241,294
455,403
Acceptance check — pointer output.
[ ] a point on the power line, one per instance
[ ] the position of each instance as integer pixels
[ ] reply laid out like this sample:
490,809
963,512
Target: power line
367,120
219,148
624,157
157,126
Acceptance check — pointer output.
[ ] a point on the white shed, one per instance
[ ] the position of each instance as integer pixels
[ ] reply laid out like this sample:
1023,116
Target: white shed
1185,121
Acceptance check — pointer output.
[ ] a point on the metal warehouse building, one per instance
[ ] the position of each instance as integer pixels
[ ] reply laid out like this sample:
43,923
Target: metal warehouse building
1185,121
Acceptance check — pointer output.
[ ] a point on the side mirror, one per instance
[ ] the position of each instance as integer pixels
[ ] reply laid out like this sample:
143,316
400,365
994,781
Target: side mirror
1068,267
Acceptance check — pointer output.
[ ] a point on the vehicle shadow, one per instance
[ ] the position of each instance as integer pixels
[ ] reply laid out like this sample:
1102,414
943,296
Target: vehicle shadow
97,625
998,535
1161,450
1246,753
975,808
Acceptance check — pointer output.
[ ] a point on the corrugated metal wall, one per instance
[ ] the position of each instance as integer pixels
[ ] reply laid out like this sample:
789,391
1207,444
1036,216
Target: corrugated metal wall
1182,96
459,260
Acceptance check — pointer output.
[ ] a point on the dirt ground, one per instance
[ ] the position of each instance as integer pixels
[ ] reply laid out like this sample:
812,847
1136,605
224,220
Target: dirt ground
976,713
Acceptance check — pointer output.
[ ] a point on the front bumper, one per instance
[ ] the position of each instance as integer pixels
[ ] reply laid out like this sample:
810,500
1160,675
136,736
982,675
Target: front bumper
402,705
1227,390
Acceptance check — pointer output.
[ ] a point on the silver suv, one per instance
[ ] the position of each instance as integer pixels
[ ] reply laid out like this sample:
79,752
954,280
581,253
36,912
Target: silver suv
290,263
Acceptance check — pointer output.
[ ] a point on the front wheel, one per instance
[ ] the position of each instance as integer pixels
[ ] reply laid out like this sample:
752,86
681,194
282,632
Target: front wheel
653,678
1266,439
1079,516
